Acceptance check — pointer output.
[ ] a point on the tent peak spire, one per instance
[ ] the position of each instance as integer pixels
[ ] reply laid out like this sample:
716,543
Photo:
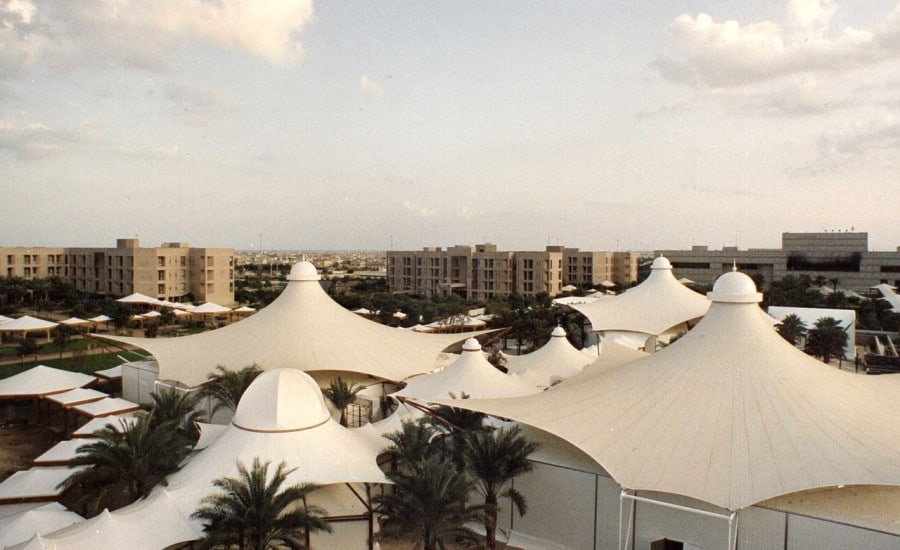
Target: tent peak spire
304,271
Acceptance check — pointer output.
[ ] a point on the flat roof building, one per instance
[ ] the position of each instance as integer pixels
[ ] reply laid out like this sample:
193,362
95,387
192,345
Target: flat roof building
834,255
482,272
168,272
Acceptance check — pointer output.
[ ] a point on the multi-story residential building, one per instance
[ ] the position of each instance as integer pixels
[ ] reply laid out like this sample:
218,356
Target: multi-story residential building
841,256
481,272
169,272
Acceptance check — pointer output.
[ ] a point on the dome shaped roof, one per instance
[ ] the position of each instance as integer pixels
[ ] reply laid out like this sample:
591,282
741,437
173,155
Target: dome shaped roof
558,332
661,263
303,271
472,345
734,287
281,400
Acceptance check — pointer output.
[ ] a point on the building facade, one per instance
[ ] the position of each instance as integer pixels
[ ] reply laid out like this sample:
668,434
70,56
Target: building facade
843,256
482,272
172,271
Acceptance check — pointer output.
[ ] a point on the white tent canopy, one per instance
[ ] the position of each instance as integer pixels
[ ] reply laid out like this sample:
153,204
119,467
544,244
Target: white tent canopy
106,407
76,397
210,308
61,453
42,380
553,362
653,307
730,414
43,519
5,319
281,417
470,374
26,324
302,329
99,423
75,322
889,294
138,298
35,484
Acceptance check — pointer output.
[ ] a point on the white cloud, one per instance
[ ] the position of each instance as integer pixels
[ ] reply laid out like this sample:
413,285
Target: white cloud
141,33
730,53
370,87
36,140
422,211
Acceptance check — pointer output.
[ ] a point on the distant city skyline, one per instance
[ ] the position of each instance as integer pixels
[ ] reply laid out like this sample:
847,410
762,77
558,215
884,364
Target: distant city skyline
370,126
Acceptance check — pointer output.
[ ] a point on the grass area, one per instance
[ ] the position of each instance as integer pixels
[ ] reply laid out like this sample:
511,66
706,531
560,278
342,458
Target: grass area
86,364
76,344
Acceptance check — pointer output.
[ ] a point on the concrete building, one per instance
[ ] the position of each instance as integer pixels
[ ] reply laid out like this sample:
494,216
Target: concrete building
481,272
842,256
169,272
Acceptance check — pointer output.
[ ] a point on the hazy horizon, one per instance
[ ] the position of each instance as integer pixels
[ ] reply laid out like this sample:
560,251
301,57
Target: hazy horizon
370,126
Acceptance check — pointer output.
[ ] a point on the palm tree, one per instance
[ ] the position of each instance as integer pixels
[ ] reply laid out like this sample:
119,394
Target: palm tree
171,406
411,443
494,459
453,423
342,395
226,386
63,338
826,339
123,465
250,512
792,328
429,502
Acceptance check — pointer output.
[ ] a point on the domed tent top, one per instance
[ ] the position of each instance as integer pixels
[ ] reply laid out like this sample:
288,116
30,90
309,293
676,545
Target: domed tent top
654,306
281,401
730,414
553,362
471,374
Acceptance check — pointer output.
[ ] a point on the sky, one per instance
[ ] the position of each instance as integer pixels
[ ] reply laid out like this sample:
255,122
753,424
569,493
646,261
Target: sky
293,124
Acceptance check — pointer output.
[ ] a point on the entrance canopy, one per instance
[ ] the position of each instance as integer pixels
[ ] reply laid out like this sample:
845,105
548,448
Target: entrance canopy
42,380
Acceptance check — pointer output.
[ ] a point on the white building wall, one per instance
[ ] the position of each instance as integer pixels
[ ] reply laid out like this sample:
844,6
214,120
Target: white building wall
805,533
761,529
653,522
560,507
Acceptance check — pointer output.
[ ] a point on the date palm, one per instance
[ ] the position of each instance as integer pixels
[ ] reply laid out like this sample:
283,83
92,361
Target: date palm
826,339
494,459
342,395
792,328
124,464
429,502
226,386
253,512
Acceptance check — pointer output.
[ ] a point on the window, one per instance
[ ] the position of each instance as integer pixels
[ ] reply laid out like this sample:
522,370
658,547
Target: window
209,261
10,259
27,259
27,271
210,274
160,261
161,275
161,289
182,260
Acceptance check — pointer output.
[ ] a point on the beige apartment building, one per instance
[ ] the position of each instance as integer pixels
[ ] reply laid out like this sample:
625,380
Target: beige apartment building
843,256
169,272
482,272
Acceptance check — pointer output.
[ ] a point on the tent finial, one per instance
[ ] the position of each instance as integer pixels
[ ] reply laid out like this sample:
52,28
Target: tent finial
734,264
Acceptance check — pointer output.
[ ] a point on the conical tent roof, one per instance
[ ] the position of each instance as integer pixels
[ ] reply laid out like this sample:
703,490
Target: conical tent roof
554,361
470,374
730,414
302,329
281,418
42,380
654,306
27,323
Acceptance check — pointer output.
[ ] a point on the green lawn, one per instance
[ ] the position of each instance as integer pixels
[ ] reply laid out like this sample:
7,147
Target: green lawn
87,364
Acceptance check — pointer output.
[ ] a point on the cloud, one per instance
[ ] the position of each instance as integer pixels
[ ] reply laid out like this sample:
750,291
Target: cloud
422,211
370,88
142,33
730,53
872,144
36,141
193,106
